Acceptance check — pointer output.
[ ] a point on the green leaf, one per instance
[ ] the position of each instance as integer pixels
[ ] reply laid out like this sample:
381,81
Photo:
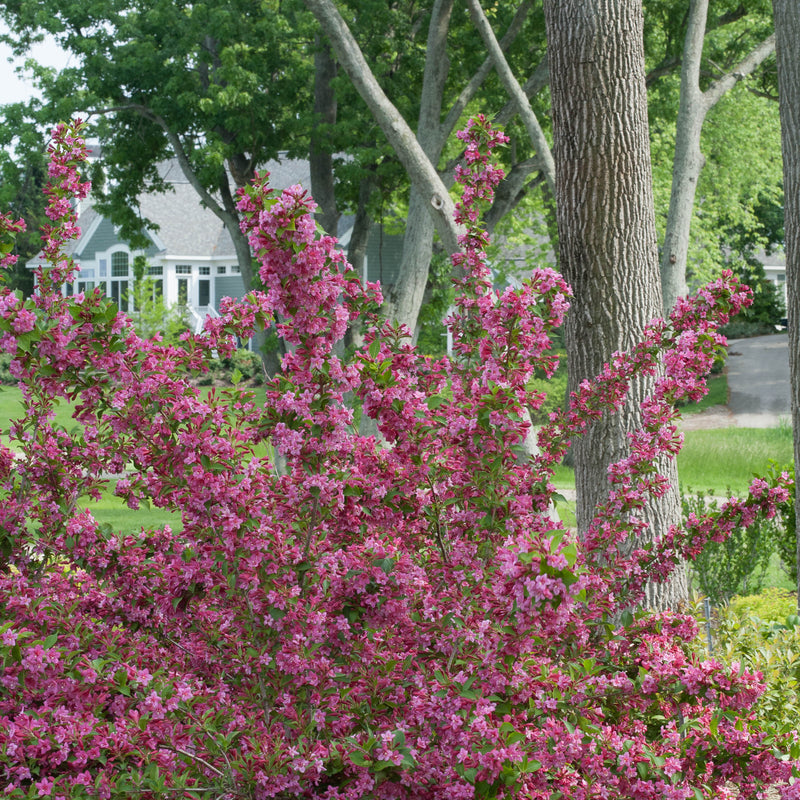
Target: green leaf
386,564
626,618
570,552
470,773
359,759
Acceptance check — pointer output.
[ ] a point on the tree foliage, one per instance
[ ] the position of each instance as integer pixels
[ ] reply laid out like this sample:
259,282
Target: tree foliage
219,87
231,84
23,175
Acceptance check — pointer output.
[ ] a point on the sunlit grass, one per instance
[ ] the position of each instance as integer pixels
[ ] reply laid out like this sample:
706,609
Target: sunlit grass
723,458
717,396
114,511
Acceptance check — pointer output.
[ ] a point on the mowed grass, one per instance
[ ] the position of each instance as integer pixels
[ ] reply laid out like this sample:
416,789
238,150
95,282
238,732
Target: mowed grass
114,511
717,396
11,408
720,458
728,458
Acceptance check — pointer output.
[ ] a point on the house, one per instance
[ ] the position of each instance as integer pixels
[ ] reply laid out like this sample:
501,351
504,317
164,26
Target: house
775,269
191,257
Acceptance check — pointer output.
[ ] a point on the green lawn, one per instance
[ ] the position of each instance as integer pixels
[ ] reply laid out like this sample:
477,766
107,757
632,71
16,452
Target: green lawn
723,458
11,408
717,396
111,509
720,458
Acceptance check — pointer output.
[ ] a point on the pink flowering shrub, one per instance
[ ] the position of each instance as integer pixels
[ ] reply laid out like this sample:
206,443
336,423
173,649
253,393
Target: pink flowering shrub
383,619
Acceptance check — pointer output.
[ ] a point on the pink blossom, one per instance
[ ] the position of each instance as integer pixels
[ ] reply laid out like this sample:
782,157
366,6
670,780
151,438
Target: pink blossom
374,617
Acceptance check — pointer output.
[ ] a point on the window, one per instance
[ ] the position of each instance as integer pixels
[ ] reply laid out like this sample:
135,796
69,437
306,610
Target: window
183,269
236,269
119,280
119,265
103,267
221,270
204,270
85,286
151,270
119,294
183,291
204,293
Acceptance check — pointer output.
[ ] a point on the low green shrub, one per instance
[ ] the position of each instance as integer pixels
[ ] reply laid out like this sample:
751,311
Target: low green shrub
247,362
243,365
755,633
556,390
740,562
768,606
6,378
744,329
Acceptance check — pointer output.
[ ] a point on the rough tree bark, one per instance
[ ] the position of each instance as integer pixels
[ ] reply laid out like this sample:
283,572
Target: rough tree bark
606,227
787,31
694,106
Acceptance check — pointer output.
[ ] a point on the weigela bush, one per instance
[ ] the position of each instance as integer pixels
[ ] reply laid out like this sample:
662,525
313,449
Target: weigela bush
393,618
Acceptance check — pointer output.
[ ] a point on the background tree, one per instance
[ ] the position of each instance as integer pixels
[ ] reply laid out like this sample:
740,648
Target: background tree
688,161
787,31
23,175
420,151
209,84
217,87
268,80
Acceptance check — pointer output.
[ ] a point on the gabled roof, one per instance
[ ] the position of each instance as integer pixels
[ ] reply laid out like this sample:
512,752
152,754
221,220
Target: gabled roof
186,228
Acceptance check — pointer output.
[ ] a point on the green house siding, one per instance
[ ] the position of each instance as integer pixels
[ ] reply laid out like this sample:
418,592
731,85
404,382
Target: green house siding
384,254
229,286
103,238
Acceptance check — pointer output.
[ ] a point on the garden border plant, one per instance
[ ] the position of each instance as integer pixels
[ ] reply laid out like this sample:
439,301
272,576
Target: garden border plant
394,619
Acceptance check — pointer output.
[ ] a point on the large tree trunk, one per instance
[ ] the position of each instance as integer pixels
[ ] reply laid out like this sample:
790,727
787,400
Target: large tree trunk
606,227
787,31
694,106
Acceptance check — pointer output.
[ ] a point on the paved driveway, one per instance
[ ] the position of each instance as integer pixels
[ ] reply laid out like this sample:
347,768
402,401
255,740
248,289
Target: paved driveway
758,381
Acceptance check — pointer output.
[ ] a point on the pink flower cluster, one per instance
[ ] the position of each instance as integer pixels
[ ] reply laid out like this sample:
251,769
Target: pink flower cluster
386,617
